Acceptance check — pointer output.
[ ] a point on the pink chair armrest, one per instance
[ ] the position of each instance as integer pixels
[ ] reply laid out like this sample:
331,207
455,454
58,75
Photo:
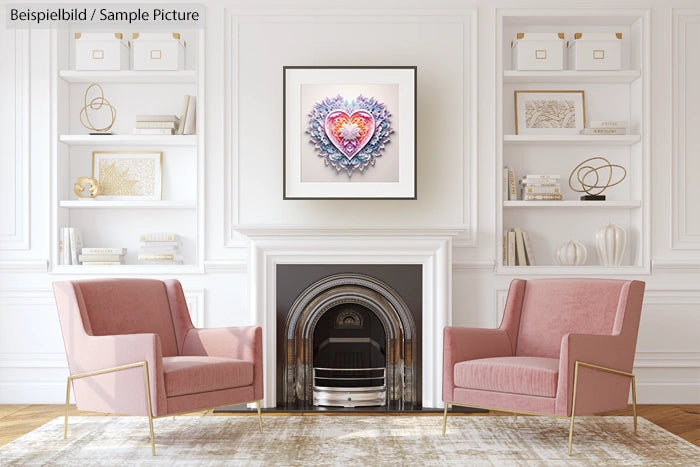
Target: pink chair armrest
241,343
102,352
597,391
461,344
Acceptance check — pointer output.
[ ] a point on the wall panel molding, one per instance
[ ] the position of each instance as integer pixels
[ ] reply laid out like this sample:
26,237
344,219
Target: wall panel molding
14,133
685,100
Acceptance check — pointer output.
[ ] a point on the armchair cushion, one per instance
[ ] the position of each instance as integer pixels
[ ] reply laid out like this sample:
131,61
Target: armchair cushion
195,374
533,376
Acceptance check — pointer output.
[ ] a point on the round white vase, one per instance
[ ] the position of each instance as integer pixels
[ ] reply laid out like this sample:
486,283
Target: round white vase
610,242
571,253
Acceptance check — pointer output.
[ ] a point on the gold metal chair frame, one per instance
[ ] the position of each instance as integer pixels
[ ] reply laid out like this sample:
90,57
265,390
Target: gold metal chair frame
573,403
147,387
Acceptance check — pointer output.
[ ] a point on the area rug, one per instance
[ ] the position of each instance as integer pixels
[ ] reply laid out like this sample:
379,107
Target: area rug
349,441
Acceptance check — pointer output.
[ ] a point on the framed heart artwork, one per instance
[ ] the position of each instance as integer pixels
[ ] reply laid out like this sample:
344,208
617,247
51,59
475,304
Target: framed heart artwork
349,132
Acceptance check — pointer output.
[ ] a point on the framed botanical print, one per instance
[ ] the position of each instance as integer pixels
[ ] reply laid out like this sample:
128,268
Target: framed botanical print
349,132
125,175
549,112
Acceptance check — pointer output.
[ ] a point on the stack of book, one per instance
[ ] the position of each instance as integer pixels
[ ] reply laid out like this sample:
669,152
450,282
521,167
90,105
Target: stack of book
540,188
188,116
156,125
517,249
160,248
70,242
98,256
607,127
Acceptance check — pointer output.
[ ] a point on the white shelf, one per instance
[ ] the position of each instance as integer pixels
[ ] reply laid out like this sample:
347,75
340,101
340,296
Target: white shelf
126,204
572,204
125,140
553,269
128,76
76,269
618,140
571,76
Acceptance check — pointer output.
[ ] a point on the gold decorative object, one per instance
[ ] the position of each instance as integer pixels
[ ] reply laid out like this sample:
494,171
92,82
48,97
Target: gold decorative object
86,187
134,175
588,175
95,104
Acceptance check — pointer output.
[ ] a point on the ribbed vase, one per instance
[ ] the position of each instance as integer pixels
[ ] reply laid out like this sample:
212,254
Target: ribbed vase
571,253
610,242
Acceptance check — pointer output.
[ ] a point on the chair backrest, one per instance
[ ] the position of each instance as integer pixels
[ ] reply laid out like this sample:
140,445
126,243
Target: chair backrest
126,306
552,308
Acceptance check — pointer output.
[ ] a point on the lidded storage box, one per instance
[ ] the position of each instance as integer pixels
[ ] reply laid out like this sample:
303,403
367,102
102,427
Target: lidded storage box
538,51
101,51
596,51
158,51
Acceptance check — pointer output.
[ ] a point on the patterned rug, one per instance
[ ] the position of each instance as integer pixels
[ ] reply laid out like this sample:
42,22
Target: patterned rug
349,441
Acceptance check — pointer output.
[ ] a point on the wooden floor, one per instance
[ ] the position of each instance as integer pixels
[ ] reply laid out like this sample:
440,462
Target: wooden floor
682,420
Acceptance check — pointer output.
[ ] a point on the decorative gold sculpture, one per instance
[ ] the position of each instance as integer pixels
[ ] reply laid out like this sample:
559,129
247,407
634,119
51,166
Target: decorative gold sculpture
86,187
95,104
591,182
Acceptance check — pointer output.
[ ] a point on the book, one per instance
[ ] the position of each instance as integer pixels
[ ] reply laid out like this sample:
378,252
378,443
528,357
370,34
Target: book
191,117
529,251
157,118
520,258
65,241
98,257
183,114
540,190
512,193
101,263
505,184
604,131
538,177
158,237
532,183
103,251
511,248
76,244
153,131
161,257
543,197
505,247
169,125
163,249
608,124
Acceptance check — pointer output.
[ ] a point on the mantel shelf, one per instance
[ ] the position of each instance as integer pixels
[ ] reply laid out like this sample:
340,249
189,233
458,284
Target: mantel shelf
572,204
618,140
126,204
571,76
133,140
128,76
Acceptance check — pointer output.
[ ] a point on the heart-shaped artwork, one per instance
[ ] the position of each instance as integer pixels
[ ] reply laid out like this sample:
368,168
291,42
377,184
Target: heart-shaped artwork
349,132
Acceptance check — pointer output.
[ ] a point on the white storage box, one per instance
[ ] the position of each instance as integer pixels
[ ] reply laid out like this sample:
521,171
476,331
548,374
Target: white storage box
101,51
158,51
538,51
596,51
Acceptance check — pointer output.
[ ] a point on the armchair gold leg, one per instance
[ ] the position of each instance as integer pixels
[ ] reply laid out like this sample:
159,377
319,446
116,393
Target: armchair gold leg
259,415
444,420
515,415
634,404
573,408
147,384
65,423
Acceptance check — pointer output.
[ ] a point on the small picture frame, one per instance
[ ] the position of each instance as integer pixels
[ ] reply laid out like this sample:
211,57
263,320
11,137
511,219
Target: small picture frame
349,132
545,112
128,175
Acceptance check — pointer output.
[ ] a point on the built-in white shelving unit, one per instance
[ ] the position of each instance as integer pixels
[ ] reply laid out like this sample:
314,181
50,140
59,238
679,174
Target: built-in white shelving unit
608,95
118,223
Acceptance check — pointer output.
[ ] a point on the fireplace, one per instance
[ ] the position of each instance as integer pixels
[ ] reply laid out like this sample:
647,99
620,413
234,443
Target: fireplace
349,336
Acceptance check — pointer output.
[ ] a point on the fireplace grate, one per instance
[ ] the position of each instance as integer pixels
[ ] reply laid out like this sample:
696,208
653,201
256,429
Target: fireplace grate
349,387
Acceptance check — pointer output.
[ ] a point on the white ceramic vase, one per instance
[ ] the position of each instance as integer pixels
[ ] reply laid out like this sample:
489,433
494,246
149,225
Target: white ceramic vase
610,242
571,253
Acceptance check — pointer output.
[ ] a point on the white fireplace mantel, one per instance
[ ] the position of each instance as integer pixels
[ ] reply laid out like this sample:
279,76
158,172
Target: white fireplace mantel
429,247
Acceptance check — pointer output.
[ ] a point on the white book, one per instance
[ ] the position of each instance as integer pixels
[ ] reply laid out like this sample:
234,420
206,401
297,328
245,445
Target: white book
512,192
160,249
529,251
505,183
103,251
101,263
527,190
511,248
76,244
191,118
604,131
159,257
183,115
158,237
521,260
169,125
98,257
608,124
63,246
157,118
153,131
535,177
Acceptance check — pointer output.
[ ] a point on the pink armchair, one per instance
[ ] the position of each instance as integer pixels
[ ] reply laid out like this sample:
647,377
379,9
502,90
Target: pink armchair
132,350
565,347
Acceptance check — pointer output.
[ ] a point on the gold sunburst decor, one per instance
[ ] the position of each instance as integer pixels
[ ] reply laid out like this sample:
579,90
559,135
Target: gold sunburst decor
95,104
594,176
86,187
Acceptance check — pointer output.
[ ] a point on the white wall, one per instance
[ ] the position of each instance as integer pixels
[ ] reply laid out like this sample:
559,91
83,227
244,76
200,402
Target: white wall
247,43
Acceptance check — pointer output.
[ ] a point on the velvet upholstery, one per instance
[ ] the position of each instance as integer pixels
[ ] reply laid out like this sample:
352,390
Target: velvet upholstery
111,322
527,364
